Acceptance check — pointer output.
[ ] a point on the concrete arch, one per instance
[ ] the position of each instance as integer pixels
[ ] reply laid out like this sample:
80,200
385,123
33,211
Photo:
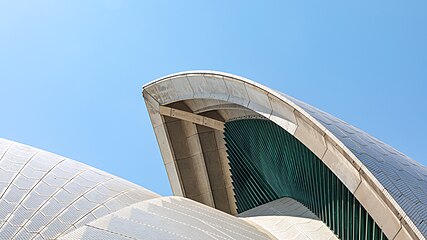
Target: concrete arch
188,108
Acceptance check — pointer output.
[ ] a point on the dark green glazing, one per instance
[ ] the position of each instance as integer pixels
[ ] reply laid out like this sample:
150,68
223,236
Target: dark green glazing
268,163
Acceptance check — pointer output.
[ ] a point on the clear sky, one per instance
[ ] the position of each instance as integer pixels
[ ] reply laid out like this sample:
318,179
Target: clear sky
71,72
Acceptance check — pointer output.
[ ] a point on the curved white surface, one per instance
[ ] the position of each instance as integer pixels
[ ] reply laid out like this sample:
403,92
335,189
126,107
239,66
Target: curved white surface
168,218
286,219
390,186
44,195
402,177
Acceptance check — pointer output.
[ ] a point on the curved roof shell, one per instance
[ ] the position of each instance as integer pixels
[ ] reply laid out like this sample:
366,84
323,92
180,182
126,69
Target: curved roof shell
44,195
286,218
390,186
169,218
181,218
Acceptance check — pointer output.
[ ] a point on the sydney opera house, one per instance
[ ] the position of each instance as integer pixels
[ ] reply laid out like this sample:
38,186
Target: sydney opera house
243,161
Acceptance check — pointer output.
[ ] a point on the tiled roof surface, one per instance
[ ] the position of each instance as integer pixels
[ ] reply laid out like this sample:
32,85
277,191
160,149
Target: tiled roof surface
43,195
402,177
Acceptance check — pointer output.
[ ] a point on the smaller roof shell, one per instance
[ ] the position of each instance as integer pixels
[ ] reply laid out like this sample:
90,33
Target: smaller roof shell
44,195
286,218
169,218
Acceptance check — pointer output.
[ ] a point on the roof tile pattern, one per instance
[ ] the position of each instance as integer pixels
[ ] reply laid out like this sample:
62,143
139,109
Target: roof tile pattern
402,177
168,218
286,218
43,195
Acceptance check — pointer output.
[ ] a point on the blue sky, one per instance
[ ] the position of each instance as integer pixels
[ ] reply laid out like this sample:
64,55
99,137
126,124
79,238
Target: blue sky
71,72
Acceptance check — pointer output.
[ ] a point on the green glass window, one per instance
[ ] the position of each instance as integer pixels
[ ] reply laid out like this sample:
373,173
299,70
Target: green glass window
268,163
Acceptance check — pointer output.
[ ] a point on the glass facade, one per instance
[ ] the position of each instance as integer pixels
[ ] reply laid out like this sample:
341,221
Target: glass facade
268,163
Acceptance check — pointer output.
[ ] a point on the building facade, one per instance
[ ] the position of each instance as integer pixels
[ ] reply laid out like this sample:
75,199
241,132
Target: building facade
244,162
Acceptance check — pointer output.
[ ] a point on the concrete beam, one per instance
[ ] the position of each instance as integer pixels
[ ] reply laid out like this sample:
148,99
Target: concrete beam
191,117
